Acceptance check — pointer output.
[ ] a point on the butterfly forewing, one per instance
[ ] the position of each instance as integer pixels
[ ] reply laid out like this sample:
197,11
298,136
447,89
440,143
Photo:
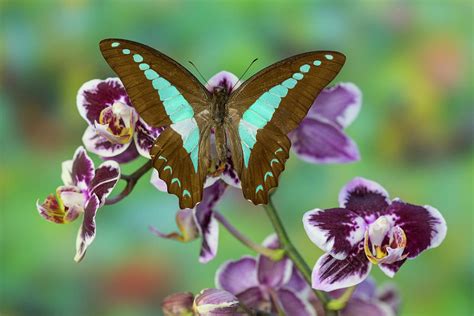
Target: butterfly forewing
165,94
266,108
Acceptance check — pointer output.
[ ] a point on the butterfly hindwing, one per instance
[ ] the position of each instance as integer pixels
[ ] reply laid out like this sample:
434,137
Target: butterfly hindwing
165,94
266,108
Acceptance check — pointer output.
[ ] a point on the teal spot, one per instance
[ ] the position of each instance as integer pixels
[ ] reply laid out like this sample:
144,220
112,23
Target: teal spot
195,158
279,91
160,83
289,83
137,58
174,104
329,57
254,118
298,76
177,181
263,110
115,44
247,136
274,161
317,63
144,66
150,74
246,152
168,93
163,158
268,174
185,114
186,192
192,140
278,150
168,168
304,68
126,51
259,188
270,99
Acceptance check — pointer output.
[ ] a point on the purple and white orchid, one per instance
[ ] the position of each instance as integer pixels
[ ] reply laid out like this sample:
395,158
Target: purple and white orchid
368,228
84,191
266,285
115,129
200,221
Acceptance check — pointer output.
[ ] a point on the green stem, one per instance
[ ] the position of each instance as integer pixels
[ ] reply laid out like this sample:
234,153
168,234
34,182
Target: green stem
274,254
341,302
291,251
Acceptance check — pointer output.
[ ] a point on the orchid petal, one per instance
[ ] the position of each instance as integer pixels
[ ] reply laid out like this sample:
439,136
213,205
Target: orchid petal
82,170
358,307
273,273
330,274
293,304
424,226
101,146
66,172
389,294
237,276
365,197
230,176
223,79
255,298
95,95
207,224
54,210
391,268
87,230
336,231
145,137
339,104
320,141
105,179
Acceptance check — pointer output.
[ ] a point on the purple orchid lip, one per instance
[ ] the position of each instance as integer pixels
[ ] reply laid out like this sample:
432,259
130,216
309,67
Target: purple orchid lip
369,229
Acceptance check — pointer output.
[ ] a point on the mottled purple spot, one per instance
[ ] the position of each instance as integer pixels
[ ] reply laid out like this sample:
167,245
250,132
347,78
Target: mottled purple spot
366,203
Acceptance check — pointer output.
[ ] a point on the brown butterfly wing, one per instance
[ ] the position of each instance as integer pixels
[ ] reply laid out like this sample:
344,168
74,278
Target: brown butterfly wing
165,94
266,108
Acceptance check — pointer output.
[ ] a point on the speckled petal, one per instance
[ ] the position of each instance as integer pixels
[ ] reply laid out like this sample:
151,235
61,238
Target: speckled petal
207,224
87,230
105,179
101,146
330,274
336,231
82,169
320,141
223,79
365,197
145,137
95,95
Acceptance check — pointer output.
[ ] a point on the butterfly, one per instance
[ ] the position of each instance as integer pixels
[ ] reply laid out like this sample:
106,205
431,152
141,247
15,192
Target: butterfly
251,122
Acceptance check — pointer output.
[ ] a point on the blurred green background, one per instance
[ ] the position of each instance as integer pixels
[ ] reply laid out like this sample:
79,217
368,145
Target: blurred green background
412,60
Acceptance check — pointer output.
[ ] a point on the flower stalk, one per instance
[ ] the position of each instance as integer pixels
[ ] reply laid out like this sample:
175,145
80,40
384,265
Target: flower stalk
273,254
290,249
131,180
341,302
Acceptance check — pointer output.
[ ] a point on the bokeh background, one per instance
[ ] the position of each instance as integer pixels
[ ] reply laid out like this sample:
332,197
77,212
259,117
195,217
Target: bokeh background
413,60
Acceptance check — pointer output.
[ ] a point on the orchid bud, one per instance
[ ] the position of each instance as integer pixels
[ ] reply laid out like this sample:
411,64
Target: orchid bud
214,301
178,304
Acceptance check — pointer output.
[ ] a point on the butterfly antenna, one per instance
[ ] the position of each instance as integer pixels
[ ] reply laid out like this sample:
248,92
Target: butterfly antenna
202,77
253,62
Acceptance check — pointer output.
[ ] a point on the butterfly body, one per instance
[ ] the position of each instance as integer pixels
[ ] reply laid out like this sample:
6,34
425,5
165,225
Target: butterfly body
251,122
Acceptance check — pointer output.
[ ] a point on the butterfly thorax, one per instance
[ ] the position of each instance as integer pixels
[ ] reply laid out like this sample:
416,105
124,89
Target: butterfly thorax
219,113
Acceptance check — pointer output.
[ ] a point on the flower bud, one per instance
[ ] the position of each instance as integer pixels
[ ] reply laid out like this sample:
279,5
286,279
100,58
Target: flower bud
214,301
178,304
